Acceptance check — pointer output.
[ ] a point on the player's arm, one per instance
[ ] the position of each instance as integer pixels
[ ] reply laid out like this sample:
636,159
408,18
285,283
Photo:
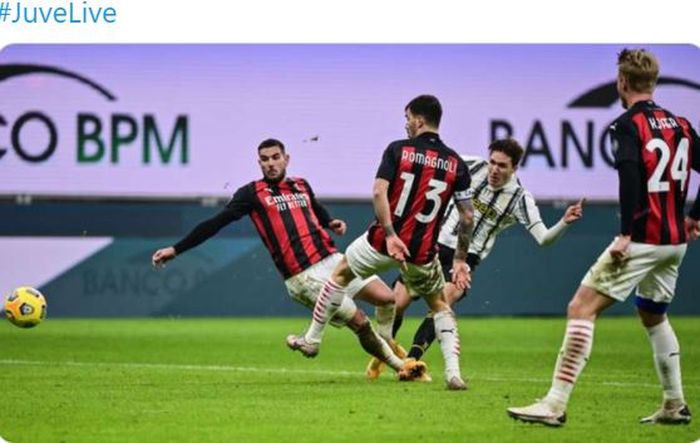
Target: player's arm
239,206
529,214
461,273
327,221
382,210
626,141
380,200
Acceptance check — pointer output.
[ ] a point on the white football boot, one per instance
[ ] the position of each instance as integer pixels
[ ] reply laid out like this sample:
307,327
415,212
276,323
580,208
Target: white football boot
539,412
671,413
299,343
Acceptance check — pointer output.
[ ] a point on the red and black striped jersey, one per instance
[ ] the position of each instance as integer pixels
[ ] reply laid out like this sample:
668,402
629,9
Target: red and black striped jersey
423,175
287,216
664,148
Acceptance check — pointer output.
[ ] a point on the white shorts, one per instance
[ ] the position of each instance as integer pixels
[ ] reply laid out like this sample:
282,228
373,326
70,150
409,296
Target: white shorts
364,261
305,288
651,269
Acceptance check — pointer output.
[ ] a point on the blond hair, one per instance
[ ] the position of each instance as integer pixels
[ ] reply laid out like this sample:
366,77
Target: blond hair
640,68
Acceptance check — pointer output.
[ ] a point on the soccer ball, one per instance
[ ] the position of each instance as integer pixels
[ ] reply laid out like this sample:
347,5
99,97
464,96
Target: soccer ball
25,307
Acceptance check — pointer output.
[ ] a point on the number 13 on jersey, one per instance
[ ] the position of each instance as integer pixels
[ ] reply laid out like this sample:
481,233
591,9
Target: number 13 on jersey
435,188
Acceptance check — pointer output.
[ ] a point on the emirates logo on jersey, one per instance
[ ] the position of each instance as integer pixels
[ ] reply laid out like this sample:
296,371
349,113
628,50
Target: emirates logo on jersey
285,202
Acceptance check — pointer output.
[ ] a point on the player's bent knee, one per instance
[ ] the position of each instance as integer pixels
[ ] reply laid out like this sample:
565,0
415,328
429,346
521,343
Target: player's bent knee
588,303
579,309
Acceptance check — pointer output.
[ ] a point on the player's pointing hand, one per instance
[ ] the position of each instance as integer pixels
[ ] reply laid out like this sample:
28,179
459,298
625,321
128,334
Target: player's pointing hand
574,212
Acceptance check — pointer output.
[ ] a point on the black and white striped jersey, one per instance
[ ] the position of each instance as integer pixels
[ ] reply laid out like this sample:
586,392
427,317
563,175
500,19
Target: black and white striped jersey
494,210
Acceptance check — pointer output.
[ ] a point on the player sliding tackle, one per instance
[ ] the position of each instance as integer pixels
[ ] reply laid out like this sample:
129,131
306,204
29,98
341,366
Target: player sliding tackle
291,223
416,180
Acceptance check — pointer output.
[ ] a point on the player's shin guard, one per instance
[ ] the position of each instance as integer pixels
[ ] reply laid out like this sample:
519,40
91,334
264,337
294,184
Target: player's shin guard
327,304
424,337
448,336
573,356
385,320
376,346
667,360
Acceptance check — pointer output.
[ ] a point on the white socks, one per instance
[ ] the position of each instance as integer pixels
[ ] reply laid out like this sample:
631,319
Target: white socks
389,357
326,306
577,348
448,336
385,320
573,357
667,358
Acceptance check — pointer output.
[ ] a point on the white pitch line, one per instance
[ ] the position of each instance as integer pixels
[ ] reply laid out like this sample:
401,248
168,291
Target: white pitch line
227,368
215,368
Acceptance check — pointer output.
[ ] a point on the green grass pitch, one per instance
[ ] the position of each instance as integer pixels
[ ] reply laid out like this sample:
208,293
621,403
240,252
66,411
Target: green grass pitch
233,380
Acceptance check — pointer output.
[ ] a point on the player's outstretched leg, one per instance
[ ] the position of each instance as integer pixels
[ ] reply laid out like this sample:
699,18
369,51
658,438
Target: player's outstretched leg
377,293
576,348
572,358
375,367
402,301
375,345
327,303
